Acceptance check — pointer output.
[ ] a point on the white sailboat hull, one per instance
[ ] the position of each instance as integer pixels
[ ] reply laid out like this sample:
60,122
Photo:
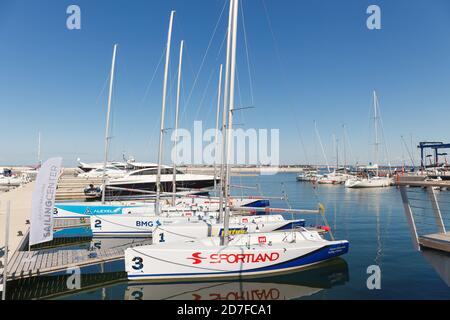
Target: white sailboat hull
246,255
187,204
376,182
185,228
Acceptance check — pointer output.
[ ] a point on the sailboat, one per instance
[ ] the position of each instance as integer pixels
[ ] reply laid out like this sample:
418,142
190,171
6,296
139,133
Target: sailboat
172,221
142,181
338,176
256,254
185,205
140,218
373,180
152,182
225,256
172,228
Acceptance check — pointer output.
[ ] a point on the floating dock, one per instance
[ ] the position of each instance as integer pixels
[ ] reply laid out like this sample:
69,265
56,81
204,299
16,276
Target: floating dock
45,260
69,188
26,264
419,181
23,263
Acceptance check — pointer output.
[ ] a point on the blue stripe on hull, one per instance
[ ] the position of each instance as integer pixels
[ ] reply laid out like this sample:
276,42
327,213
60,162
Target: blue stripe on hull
258,204
73,232
122,232
292,225
322,254
92,210
319,255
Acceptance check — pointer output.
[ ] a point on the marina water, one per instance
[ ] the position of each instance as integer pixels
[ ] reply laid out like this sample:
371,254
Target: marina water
372,220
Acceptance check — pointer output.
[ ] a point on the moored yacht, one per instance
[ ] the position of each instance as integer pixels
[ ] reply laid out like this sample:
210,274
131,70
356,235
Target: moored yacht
140,182
335,177
143,182
110,171
370,182
307,175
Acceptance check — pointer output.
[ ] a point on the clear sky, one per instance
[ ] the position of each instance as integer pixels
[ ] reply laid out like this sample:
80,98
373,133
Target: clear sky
308,60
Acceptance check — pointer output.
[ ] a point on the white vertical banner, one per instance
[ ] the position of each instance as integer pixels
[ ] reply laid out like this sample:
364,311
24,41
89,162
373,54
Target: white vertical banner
41,229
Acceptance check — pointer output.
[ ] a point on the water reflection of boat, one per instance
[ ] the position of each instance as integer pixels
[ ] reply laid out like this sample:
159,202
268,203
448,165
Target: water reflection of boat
440,261
106,282
283,287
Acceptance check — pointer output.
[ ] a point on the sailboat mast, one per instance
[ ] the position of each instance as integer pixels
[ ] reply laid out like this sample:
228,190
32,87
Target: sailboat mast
376,127
223,158
163,111
336,141
225,115
174,178
345,149
230,119
321,146
108,113
216,139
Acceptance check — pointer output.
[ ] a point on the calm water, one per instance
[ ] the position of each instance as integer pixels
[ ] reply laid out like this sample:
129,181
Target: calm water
372,220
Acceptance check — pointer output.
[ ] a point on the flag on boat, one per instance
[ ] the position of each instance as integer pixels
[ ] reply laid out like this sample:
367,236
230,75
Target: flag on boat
43,201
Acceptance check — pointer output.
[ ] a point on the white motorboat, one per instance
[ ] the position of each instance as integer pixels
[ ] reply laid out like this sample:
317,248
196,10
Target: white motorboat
133,165
372,182
334,178
129,164
133,183
86,167
110,172
307,176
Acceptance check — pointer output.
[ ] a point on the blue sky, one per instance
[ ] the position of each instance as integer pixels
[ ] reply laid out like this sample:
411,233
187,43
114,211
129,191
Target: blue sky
308,60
